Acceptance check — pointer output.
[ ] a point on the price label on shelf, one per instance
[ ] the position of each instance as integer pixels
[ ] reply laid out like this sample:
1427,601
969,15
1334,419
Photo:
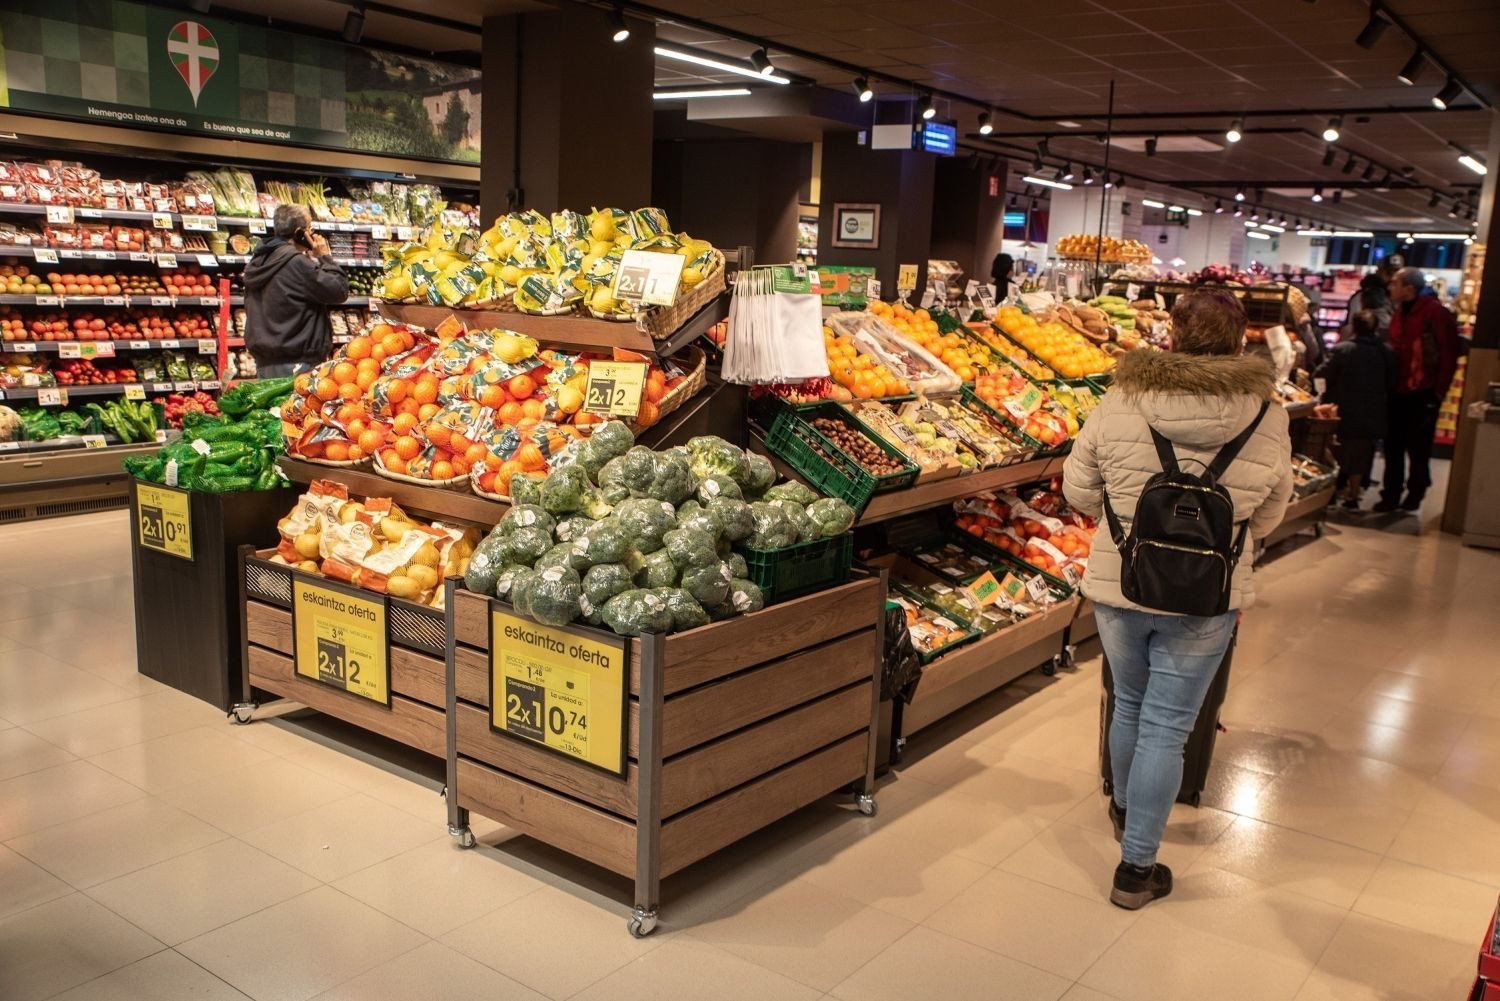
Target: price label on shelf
1320,385
648,278
171,344
208,300
1025,404
44,255
9,446
208,261
1037,587
986,295
200,223
139,255
138,345
103,255
1012,587
99,349
906,278
49,396
84,213
114,300
135,391
378,232
161,220
210,386
60,215
257,227
615,388
1071,575
161,300
166,260
22,347
161,435
184,387
339,637
343,227
561,688
1132,291
164,520
971,289
404,232
70,349
94,441
208,347
872,288
48,300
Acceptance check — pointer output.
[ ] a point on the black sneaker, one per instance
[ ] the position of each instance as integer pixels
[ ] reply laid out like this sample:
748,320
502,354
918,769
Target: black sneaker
1350,504
1411,503
1136,886
1386,506
1117,817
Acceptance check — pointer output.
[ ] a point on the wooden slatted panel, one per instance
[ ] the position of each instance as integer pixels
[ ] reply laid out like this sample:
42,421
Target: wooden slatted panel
602,838
543,767
705,829
731,761
412,723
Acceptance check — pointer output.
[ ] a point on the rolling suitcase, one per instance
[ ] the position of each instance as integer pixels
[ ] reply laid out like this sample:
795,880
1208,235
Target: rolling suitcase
1199,751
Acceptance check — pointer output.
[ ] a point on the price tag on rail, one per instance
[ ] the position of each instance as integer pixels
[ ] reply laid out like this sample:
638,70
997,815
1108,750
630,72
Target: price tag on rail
208,347
984,588
69,349
161,220
48,300
257,227
380,232
559,687
1013,587
872,288
200,223
44,255
648,278
1132,291
99,349
615,388
339,637
49,396
22,347
140,255
208,260
986,296
135,391
971,290
1071,575
138,345
164,520
60,215
1037,588
166,260
906,278
94,441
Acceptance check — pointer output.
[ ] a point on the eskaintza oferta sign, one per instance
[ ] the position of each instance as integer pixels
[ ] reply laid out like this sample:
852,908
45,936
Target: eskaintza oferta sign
139,66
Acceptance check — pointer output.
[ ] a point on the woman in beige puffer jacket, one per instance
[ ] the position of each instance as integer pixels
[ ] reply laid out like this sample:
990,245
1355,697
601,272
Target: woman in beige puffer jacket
1198,396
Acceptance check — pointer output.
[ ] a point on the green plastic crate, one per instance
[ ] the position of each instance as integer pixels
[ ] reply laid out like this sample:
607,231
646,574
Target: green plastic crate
800,568
970,633
836,475
1005,420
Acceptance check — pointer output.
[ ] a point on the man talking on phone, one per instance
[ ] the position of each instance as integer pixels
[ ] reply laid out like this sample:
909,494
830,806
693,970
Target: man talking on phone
289,284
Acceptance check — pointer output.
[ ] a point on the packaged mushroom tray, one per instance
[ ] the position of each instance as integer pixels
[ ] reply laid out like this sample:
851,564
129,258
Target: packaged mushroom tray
908,361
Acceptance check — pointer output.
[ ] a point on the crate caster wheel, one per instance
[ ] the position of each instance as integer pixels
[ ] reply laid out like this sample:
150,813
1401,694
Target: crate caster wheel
464,835
866,804
241,712
642,923
1070,656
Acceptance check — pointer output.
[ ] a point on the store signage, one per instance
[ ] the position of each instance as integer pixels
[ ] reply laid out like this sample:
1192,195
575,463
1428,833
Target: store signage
906,277
164,520
1013,219
340,638
60,215
1012,587
936,138
615,388
648,278
563,688
986,296
44,255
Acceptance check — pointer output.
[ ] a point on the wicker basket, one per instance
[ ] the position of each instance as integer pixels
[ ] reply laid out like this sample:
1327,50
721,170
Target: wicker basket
473,479
662,322
342,464
564,311
695,361
611,317
460,483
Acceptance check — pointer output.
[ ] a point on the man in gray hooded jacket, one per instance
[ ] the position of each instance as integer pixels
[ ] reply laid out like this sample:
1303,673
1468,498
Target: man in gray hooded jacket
289,284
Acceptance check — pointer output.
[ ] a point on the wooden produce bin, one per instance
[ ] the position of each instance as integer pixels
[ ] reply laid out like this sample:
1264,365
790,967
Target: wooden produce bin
728,728
188,633
415,716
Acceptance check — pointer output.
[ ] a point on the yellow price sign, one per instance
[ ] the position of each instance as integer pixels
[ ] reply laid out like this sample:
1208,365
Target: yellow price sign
563,688
164,520
340,637
906,277
615,388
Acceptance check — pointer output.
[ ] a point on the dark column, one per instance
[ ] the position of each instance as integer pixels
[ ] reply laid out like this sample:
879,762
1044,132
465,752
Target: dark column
968,210
733,192
566,112
900,182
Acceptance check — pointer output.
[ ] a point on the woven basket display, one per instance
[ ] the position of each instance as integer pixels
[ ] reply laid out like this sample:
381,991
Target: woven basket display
456,483
663,321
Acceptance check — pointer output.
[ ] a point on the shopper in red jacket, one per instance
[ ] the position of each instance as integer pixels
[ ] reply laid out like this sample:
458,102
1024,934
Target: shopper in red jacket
1425,337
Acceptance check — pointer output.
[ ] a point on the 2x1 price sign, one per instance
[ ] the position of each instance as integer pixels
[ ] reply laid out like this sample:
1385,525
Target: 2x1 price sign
561,687
340,639
648,277
164,520
615,388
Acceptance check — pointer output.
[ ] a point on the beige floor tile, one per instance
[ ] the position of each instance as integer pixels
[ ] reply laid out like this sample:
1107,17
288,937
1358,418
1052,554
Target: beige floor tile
1159,960
437,886
1419,752
683,968
977,829
815,936
1442,692
1325,870
1038,924
166,976
26,883
533,941
926,963
112,842
1186,825
344,836
53,795
1404,714
35,963
105,728
1240,911
270,736
246,798
22,751
1348,815
36,686
1371,960
1232,789
201,890
1032,785
301,947
1078,992
431,970
1463,847
58,632
1426,900
177,759
907,878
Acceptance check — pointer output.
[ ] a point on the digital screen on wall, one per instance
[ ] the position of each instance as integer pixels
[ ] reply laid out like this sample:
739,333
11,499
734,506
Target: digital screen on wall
941,139
138,66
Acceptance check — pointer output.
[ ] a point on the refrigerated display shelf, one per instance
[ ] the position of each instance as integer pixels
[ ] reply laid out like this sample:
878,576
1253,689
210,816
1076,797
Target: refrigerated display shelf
353,300
31,393
218,221
55,347
126,301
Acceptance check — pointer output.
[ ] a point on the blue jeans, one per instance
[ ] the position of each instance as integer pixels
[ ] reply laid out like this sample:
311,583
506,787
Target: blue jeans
1162,666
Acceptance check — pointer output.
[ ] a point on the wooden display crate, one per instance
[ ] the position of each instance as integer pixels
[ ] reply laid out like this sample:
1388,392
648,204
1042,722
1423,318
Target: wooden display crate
728,728
416,715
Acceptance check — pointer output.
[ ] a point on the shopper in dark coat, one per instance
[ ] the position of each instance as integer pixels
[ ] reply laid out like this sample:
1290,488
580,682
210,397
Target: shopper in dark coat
1000,271
1360,376
1424,335
1372,296
289,284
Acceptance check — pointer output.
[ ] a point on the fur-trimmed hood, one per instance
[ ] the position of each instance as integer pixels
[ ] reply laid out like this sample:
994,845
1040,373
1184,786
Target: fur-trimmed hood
1199,375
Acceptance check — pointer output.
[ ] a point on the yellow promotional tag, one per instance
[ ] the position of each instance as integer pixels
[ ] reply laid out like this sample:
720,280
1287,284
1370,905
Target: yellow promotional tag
1013,587
134,391
164,520
983,588
906,277
648,278
615,388
340,638
562,688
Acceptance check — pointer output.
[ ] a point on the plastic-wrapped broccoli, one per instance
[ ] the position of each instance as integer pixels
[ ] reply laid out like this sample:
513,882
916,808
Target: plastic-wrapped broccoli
734,516
710,455
596,504
672,481
571,526
554,596
745,596
792,490
688,547
797,515
612,480
587,457
832,516
708,585
636,611
564,490
484,565
524,516
560,555
602,582
703,520
526,488
686,612
759,475
657,570
687,509
772,528
638,470
718,485
606,542
611,440
646,521
737,567
524,545
520,590
718,613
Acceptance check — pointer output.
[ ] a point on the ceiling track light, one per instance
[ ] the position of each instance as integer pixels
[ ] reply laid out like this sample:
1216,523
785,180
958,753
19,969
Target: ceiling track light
1317,194
1385,182
723,65
354,25
985,125
1236,131
1065,172
1369,172
1338,195
1239,195
926,108
620,31
1329,155
1239,210
1120,181
761,60
1042,147
866,94
1474,164
1151,146
1432,202
1412,69
1088,175
1331,130
1218,207
1373,29
1349,164
1453,212
1036,162
1445,97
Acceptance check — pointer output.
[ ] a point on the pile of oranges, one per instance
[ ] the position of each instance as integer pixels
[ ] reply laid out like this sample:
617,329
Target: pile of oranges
857,374
1068,352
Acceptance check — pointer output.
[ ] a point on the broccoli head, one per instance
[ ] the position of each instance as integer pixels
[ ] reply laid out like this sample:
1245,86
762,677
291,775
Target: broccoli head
672,480
686,612
524,516
571,526
526,488
525,545
637,611
646,521
745,596
520,590
689,547
718,485
606,542
602,582
797,515
710,455
759,475
611,440
564,490
794,491
734,516
737,566
657,570
772,529
703,520
709,584
554,596
832,516
638,470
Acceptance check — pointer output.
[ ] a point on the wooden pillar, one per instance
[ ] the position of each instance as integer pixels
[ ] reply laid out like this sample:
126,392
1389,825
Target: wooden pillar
968,209
901,182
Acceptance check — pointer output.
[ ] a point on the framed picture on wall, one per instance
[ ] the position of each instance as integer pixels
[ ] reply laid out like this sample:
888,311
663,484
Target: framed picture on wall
856,225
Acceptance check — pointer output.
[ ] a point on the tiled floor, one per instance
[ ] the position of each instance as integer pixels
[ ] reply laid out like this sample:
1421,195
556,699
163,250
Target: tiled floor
1348,848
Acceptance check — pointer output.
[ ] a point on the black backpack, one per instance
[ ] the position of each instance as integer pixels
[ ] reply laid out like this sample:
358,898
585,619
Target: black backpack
1182,548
